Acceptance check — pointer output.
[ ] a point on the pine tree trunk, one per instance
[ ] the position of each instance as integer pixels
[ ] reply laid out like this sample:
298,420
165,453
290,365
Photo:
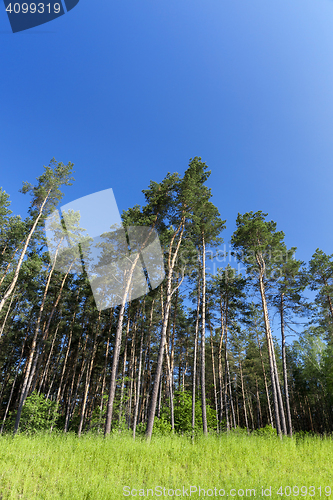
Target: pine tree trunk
24,250
220,372
8,266
270,346
285,375
214,377
243,395
266,385
104,371
71,404
132,371
171,265
231,399
46,368
13,384
259,416
88,376
7,314
203,339
116,350
278,391
139,385
123,372
226,384
169,377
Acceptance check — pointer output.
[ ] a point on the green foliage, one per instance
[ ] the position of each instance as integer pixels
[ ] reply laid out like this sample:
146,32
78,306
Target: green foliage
267,432
38,414
183,414
162,426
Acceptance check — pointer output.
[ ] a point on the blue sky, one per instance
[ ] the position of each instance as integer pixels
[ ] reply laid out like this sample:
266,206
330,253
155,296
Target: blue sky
129,90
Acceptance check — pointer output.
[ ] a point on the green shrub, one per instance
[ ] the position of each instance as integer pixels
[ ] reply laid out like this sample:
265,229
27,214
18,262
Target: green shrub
162,426
267,431
38,414
183,414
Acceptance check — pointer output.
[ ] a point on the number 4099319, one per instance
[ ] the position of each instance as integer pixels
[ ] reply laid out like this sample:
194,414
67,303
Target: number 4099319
33,8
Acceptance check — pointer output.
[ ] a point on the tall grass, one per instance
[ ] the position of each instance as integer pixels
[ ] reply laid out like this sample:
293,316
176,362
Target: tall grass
65,467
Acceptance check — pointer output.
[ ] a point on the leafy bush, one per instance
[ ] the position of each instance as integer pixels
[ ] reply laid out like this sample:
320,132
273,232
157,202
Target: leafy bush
267,431
183,414
162,426
38,414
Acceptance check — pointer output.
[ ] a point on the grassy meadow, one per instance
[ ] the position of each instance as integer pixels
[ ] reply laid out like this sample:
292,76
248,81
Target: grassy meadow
66,467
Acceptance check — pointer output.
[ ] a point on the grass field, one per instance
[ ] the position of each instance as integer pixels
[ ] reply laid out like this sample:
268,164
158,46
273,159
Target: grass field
67,467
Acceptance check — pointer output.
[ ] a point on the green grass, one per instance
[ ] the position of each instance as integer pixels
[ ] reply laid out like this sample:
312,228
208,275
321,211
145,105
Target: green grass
67,467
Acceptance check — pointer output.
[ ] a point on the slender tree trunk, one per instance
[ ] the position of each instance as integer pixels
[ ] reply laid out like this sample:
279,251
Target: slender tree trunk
231,398
132,371
24,250
88,376
226,385
221,391
46,368
13,385
266,386
7,314
259,417
116,350
203,339
269,345
104,371
171,265
278,390
250,410
160,396
139,385
8,266
69,402
146,365
285,375
308,405
170,377
123,372
243,395
214,377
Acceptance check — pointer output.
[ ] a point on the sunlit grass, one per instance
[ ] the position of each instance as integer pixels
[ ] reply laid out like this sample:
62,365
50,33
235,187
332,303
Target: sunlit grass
67,467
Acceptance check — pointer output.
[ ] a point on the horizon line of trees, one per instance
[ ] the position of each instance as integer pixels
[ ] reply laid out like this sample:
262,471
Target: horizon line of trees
196,354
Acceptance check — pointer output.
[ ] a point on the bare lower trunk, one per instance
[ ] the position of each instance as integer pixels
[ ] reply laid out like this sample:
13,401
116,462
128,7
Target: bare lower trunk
138,386
88,377
203,341
116,350
214,377
170,377
13,385
285,375
231,398
171,265
266,385
270,353
123,372
243,395
195,352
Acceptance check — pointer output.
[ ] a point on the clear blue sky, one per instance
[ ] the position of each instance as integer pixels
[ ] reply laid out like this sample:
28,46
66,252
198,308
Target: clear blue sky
131,89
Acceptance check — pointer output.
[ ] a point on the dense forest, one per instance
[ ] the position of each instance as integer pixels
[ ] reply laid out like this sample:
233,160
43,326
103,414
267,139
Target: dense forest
202,352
